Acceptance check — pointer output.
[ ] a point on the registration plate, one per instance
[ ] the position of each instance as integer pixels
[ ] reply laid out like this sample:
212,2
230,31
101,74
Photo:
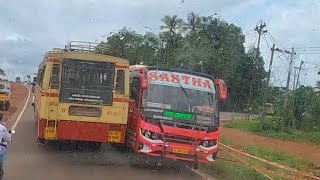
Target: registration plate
3,96
114,136
50,133
180,151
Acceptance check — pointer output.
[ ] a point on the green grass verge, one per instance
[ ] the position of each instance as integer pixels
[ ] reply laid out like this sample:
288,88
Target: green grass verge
275,156
252,126
279,157
229,170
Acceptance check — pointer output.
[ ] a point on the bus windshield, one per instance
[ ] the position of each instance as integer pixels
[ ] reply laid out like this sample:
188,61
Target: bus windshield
87,82
199,104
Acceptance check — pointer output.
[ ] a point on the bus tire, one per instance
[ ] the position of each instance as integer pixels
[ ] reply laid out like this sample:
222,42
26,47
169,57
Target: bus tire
41,141
135,160
195,166
7,106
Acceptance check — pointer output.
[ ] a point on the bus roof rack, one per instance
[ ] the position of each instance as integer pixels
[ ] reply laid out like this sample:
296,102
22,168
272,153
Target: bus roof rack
81,46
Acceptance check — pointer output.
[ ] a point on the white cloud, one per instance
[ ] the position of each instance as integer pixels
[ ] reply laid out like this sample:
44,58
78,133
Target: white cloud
16,38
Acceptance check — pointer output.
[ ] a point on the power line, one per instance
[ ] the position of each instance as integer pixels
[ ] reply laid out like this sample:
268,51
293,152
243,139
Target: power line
311,53
314,47
274,40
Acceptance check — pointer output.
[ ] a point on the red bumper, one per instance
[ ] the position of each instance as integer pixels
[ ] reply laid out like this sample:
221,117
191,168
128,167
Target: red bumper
186,151
83,131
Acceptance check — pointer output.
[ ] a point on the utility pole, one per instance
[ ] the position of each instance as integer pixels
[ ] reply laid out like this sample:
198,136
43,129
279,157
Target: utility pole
301,63
273,49
261,30
294,78
267,86
290,69
270,65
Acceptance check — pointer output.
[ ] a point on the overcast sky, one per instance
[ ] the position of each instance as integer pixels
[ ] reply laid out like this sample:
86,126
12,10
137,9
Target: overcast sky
28,28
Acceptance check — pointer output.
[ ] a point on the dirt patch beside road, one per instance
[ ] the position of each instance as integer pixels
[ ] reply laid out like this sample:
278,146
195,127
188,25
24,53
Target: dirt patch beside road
18,97
242,139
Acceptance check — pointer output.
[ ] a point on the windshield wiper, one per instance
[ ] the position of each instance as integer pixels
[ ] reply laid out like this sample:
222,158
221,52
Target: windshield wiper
183,89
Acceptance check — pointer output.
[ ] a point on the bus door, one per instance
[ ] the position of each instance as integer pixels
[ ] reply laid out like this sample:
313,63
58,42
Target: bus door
53,102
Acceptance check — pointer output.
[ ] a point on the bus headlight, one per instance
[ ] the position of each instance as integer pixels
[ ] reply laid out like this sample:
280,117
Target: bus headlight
205,143
209,143
150,135
147,134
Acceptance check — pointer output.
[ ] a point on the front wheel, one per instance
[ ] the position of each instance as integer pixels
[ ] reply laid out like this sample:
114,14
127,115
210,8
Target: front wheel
135,159
195,166
7,106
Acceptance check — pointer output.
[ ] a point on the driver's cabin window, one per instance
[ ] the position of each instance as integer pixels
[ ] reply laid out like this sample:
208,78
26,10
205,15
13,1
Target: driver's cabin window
134,88
120,82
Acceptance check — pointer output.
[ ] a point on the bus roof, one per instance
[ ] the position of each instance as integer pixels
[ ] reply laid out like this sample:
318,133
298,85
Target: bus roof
138,67
80,50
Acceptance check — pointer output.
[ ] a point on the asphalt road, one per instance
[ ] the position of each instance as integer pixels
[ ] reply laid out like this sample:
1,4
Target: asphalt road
28,160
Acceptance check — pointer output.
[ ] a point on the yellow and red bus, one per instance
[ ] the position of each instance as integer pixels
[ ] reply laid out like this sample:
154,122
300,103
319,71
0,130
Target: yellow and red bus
81,96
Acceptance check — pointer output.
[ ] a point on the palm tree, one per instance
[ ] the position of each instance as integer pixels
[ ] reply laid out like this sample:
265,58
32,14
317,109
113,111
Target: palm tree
172,28
172,24
194,22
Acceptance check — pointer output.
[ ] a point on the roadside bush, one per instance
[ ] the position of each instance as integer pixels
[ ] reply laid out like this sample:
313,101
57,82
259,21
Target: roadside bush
299,110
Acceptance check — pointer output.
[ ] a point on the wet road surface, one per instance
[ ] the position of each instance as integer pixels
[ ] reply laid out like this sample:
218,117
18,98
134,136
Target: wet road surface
28,160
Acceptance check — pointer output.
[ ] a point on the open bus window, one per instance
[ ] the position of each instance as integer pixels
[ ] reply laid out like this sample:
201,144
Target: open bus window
55,77
135,86
120,82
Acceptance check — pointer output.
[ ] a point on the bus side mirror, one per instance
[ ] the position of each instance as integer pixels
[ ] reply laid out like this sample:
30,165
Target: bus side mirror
222,87
143,79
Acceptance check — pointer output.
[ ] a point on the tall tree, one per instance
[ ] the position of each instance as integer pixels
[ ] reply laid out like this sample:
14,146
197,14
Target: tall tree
216,43
172,26
129,45
194,23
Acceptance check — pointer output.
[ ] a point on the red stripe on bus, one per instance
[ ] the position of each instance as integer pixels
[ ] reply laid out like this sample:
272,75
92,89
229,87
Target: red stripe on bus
50,94
122,66
120,100
55,61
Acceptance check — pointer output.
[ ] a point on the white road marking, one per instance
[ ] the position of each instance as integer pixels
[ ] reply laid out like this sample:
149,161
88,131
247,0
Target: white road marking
203,174
22,111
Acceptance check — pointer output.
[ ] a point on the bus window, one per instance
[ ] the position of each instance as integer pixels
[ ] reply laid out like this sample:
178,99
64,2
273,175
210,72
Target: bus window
120,82
134,87
55,77
41,75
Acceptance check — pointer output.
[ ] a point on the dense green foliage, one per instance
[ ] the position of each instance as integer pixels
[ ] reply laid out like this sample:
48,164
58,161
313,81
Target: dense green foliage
299,110
185,44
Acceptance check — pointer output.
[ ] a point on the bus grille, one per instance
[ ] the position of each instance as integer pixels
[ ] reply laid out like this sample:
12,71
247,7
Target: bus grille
179,139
